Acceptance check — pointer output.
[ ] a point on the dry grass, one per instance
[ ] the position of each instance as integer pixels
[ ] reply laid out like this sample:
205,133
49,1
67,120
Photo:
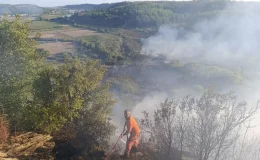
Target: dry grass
79,33
58,47
66,33
4,129
50,16
52,34
22,19
41,26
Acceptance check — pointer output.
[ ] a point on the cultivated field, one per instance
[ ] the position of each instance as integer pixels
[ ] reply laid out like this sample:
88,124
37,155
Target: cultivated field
22,18
41,26
53,33
79,33
66,33
50,16
58,47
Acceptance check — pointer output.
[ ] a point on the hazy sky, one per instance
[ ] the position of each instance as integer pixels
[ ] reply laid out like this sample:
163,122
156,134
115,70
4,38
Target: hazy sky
63,2
60,2
51,3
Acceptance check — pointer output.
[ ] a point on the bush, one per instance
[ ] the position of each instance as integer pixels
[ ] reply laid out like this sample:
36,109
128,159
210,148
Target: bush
4,129
205,128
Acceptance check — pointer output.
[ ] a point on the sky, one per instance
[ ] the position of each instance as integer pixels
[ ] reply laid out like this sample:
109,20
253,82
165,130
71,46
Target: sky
51,3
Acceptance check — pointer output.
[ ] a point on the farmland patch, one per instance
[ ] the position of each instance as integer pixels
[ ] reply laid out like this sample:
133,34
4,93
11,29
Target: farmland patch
58,47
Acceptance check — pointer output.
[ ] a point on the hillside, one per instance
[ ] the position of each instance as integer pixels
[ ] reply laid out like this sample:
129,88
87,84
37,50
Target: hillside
87,6
153,14
126,23
20,9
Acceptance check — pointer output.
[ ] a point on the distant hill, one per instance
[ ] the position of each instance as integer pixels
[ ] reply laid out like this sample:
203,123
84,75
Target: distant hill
148,14
154,14
20,9
87,6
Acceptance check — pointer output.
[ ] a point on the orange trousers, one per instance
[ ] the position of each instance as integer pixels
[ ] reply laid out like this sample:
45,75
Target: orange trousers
131,141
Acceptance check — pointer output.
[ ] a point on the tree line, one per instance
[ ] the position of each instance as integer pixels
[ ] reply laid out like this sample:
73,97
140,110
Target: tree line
150,14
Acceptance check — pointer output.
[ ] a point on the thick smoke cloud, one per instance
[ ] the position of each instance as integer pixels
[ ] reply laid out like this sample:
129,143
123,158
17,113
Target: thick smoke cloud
230,39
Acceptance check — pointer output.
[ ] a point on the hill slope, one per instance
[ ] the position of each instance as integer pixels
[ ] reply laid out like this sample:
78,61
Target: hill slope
153,14
20,9
87,6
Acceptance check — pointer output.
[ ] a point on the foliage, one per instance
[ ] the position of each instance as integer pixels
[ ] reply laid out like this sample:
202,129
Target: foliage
118,47
162,130
124,84
44,26
153,14
48,17
131,46
211,73
61,93
87,6
207,127
126,89
93,131
20,9
41,97
42,52
148,14
105,47
19,65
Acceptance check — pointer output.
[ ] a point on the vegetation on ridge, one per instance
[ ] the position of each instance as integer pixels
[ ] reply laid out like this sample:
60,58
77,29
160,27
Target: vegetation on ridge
42,97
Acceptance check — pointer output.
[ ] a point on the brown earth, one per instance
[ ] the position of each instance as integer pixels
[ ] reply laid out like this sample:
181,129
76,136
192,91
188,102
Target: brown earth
66,33
58,47
79,33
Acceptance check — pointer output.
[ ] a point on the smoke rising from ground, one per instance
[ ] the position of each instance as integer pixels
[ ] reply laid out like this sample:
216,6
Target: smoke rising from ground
230,41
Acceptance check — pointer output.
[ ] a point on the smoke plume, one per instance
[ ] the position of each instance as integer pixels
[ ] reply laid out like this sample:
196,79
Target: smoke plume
223,51
230,41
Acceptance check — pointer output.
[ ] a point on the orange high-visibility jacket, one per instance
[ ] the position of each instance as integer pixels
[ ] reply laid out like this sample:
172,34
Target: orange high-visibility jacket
132,126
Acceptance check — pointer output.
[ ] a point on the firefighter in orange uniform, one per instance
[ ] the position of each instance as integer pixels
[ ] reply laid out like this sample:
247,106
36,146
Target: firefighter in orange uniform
133,129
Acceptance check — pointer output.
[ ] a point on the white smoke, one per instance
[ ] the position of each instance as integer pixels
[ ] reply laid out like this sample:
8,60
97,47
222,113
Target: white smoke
230,40
148,104
226,40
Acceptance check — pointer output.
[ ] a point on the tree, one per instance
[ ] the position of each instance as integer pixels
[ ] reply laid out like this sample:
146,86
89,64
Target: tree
161,130
44,97
215,125
72,102
208,126
69,91
19,65
42,52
